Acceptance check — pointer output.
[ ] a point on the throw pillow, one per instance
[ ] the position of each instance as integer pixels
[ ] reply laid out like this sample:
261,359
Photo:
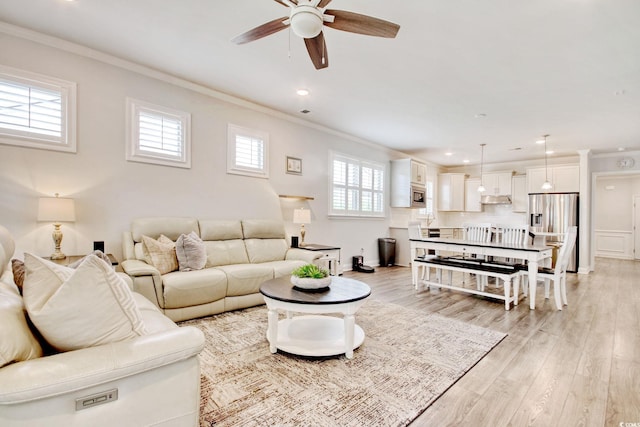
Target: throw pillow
80,308
191,252
162,253
17,342
18,273
99,254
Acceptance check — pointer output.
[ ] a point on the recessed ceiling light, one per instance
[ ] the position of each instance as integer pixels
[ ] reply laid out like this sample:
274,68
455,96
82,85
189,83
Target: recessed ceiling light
448,153
540,141
465,161
302,92
621,148
549,151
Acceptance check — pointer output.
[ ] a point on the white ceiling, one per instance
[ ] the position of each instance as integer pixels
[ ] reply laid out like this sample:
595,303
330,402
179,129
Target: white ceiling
568,68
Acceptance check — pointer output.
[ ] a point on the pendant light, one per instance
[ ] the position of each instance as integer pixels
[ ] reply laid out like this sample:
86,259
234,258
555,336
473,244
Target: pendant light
481,189
546,186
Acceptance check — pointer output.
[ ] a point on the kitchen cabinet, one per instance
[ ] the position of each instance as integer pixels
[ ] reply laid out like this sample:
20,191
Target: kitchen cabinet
497,183
563,178
405,174
418,173
451,191
519,198
472,195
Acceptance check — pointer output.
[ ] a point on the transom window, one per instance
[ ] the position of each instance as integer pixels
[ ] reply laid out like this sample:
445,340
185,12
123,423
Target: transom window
357,187
37,111
247,151
158,134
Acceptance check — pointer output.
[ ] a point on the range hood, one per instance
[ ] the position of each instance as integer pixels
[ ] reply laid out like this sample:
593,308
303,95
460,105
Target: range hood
495,200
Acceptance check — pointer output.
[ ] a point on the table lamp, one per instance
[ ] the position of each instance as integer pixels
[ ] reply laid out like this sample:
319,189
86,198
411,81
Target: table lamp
58,210
302,216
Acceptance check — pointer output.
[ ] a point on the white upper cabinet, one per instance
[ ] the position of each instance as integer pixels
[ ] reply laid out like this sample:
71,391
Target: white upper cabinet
418,173
406,173
451,192
472,195
497,183
519,198
563,178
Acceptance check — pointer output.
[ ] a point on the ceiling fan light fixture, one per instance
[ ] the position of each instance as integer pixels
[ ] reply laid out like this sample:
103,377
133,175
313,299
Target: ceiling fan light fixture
306,21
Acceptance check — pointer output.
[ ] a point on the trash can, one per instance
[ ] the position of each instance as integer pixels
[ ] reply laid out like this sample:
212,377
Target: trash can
387,251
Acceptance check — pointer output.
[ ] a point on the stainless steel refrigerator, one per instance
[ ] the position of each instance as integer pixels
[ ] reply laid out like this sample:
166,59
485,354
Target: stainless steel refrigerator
555,213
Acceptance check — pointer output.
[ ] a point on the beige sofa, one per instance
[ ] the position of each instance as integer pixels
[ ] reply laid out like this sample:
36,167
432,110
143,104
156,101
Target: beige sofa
156,376
241,255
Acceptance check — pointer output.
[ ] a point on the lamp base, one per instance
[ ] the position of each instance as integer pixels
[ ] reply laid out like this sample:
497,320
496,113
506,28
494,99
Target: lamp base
57,255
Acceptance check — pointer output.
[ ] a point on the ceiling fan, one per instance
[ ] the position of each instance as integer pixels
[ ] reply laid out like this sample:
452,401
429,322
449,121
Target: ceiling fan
307,18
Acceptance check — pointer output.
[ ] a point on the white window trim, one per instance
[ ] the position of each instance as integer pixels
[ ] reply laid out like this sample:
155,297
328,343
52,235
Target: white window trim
333,155
135,154
67,90
232,132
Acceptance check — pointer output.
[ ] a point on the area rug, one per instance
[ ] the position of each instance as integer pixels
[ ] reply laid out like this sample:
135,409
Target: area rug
407,360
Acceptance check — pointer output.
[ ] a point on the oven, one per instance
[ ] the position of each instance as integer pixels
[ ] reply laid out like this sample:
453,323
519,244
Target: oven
418,197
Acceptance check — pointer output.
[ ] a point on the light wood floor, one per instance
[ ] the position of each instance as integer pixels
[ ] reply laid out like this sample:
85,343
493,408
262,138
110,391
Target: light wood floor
576,367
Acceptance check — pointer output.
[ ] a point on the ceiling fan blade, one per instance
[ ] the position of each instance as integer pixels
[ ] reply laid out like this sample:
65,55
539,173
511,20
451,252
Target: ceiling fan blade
285,4
261,31
317,49
322,3
361,24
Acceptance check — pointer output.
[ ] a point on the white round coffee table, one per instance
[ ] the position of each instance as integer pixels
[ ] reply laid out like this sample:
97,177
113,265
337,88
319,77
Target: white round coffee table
312,334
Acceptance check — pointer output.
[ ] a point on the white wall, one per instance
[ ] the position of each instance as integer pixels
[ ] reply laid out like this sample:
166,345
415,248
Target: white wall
110,191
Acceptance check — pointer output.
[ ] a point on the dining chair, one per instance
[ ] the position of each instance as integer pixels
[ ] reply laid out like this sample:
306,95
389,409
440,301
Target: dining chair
557,274
415,232
480,232
512,234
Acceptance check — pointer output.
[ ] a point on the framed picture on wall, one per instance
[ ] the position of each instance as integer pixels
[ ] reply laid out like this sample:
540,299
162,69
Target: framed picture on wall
294,165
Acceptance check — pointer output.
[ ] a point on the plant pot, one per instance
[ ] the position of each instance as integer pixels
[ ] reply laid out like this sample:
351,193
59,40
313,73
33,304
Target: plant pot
310,283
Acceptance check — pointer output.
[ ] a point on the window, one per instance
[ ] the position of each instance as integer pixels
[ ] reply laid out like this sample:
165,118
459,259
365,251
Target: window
158,135
247,152
356,187
37,111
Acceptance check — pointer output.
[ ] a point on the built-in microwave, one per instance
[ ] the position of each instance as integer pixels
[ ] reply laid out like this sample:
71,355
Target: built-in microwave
418,197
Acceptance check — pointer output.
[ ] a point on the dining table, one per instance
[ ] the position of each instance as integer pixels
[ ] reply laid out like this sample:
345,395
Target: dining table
535,255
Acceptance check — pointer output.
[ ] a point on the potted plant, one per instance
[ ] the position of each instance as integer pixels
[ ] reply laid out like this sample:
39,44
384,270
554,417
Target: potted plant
310,276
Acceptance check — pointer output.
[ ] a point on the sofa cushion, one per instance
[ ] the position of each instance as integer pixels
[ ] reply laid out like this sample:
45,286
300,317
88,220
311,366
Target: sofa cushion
189,288
263,229
284,268
214,229
18,272
245,279
225,252
79,308
17,342
191,252
264,250
154,320
172,227
160,253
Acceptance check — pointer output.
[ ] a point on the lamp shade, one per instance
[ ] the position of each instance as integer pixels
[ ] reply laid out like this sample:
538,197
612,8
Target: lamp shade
301,216
56,209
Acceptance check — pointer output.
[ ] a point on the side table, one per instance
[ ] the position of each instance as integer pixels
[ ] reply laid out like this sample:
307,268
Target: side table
330,257
73,258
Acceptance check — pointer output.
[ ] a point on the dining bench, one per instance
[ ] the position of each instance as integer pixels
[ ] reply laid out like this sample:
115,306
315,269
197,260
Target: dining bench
508,273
